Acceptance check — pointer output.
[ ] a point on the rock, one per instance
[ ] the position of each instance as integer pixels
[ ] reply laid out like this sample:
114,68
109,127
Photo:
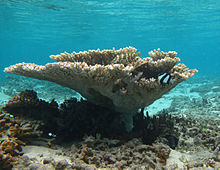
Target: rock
47,160
60,165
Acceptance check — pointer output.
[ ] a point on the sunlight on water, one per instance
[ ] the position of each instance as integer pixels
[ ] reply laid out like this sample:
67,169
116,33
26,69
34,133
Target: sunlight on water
45,19
80,25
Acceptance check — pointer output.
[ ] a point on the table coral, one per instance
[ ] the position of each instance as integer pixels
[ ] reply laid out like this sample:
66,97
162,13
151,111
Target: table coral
118,79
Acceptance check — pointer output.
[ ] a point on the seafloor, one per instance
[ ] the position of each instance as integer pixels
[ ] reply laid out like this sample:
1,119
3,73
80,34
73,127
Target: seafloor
191,111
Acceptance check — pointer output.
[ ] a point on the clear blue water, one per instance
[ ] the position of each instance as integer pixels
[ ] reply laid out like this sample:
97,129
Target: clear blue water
31,30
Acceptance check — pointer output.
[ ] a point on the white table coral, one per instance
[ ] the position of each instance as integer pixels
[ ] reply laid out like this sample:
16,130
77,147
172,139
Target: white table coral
118,79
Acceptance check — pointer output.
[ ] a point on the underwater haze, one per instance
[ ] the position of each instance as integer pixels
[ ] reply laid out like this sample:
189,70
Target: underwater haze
32,30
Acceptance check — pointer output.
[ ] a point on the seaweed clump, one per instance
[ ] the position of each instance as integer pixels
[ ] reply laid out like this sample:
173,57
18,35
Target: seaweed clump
27,106
73,119
159,127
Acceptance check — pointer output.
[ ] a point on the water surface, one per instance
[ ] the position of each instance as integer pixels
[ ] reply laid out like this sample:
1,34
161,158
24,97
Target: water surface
31,30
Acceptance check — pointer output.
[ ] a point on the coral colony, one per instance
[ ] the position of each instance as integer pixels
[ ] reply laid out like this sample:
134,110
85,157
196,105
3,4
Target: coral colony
116,84
117,79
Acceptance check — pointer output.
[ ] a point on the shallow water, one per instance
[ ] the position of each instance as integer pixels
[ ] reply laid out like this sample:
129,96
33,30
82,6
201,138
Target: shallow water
30,31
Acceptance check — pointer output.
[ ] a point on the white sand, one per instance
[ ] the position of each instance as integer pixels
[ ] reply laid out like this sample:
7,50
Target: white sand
39,153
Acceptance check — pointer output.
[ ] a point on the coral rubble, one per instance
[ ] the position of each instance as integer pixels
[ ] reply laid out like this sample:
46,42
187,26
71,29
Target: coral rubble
12,134
132,154
118,79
